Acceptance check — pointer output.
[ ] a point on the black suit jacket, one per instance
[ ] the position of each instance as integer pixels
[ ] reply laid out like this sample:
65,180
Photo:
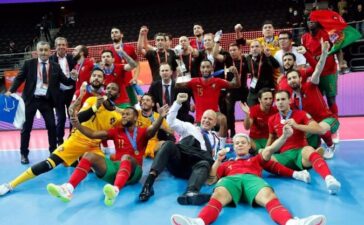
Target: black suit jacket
156,90
28,74
71,62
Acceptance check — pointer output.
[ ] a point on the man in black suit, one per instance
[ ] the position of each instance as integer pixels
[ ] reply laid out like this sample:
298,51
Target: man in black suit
66,62
165,92
41,92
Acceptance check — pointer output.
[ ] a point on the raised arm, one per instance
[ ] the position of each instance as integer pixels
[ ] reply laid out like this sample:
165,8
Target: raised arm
152,129
236,81
131,63
315,78
248,121
142,41
277,144
87,131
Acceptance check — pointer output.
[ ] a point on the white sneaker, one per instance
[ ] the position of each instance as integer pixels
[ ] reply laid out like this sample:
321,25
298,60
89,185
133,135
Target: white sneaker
336,137
311,220
333,185
4,189
303,175
184,220
63,192
329,152
110,192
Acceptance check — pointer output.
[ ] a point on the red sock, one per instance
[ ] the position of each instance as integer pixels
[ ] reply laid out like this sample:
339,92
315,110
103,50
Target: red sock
319,165
277,168
80,172
334,110
123,174
277,212
211,211
327,138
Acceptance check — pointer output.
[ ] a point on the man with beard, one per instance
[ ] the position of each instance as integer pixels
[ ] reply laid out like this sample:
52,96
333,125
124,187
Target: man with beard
95,87
156,56
126,168
328,81
295,152
66,63
197,42
117,73
96,114
42,78
307,96
118,48
84,65
146,117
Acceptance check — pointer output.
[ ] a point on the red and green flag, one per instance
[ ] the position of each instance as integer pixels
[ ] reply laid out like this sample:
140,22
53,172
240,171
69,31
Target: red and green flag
340,33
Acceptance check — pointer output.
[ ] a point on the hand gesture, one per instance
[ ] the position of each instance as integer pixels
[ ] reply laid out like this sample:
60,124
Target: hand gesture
74,74
301,49
245,108
222,154
181,97
74,121
291,122
83,88
143,30
287,130
163,111
238,27
100,100
325,45
233,70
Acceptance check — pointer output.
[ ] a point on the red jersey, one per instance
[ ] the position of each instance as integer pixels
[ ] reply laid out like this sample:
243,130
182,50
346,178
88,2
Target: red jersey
259,129
253,165
123,146
298,138
206,93
312,102
118,75
88,94
305,73
199,45
84,72
313,46
130,50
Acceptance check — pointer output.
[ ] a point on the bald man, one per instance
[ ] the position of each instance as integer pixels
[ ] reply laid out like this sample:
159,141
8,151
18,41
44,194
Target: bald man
190,159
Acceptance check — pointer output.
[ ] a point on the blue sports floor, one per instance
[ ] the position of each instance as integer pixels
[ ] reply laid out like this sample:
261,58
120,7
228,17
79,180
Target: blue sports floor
30,203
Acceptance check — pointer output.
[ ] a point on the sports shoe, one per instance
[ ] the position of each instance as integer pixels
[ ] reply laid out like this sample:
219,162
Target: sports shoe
333,185
193,198
4,189
62,192
336,137
329,152
184,220
303,175
311,220
110,192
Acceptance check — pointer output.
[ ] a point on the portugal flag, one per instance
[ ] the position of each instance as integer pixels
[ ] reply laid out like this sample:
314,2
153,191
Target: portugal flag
341,34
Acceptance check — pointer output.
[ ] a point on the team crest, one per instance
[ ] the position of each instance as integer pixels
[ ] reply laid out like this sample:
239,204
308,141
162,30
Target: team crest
112,120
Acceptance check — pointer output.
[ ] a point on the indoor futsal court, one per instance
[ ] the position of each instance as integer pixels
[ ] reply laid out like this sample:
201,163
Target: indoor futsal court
31,204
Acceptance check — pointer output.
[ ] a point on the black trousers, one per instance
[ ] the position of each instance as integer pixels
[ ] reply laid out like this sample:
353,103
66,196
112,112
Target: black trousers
46,109
182,165
64,103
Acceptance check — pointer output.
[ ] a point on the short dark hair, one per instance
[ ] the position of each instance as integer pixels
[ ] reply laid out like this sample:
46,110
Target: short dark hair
206,60
136,113
164,63
289,34
96,68
198,24
116,28
293,70
169,35
291,54
109,51
264,90
283,91
84,49
233,44
160,34
150,95
267,22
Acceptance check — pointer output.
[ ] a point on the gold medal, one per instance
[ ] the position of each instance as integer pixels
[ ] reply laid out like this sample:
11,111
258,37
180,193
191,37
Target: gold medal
283,121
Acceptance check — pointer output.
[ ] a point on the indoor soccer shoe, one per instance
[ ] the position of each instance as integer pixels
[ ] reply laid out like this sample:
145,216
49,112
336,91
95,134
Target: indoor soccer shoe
184,220
5,188
60,191
311,220
110,192
333,185
303,175
329,152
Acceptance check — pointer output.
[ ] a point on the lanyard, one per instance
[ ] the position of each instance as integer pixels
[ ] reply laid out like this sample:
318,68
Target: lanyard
80,67
283,120
118,52
151,118
259,66
158,57
132,140
108,71
199,45
205,133
189,61
244,157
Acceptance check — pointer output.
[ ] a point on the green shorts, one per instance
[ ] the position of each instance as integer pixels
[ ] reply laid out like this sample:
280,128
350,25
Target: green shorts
313,140
112,169
291,158
242,187
328,85
123,105
260,144
334,124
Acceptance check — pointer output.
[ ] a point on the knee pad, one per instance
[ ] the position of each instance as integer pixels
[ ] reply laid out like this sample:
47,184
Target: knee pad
46,165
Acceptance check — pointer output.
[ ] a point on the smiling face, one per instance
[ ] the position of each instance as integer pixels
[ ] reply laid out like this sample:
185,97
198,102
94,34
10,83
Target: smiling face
208,120
266,100
206,68
241,144
112,91
294,80
146,103
61,47
97,79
